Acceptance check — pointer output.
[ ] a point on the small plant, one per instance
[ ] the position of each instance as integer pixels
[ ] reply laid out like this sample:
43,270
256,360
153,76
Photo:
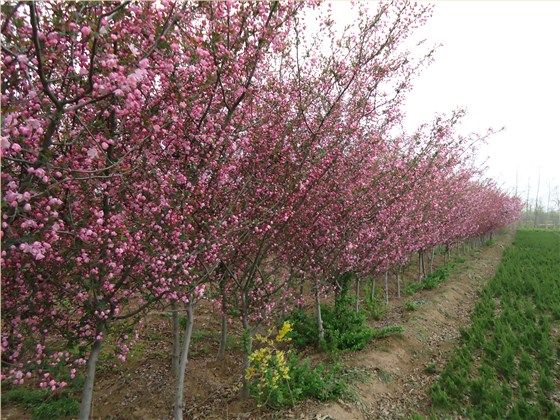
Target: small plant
437,277
57,408
432,281
430,369
460,259
345,329
410,306
412,288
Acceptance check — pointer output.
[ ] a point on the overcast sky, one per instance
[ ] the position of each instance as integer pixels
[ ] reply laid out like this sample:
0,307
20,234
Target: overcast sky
501,61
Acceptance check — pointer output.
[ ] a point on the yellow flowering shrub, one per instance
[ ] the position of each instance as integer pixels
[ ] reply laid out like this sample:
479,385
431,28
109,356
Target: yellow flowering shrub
269,363
278,377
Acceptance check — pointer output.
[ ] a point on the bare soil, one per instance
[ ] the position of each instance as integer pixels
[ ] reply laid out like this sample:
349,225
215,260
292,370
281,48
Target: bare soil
397,386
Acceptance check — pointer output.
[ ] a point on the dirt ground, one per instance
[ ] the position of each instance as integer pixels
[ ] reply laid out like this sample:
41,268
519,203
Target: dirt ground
397,383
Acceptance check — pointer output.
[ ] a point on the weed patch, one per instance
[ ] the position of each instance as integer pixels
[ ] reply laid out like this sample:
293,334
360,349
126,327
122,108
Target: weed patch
432,281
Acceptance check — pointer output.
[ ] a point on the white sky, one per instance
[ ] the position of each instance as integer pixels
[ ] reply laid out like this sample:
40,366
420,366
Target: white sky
500,60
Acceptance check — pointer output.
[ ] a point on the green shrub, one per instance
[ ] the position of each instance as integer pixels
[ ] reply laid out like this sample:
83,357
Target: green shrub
432,281
412,288
304,328
25,397
345,329
437,277
460,260
321,382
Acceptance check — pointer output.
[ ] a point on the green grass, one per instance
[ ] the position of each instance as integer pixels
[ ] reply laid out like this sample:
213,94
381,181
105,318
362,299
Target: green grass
506,365
43,404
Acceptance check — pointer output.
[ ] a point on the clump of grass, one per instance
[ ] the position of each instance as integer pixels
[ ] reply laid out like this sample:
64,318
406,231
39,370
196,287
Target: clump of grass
387,331
432,281
430,369
410,306
460,259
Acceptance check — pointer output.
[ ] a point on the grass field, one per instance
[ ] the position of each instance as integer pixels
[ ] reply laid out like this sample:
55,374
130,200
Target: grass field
508,362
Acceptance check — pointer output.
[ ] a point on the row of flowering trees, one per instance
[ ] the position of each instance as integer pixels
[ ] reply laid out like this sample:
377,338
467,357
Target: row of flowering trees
154,151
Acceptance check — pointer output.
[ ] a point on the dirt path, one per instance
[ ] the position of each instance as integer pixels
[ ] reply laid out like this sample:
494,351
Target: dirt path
398,383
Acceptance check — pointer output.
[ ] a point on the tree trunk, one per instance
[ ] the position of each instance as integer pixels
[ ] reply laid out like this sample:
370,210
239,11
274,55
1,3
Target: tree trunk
357,294
282,315
300,297
421,266
320,329
87,392
223,334
247,348
399,282
180,388
432,260
176,339
223,339
387,287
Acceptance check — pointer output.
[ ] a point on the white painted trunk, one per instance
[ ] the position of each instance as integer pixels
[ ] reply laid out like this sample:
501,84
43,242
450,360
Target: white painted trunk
180,386
176,339
320,329
87,391
386,287
357,295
